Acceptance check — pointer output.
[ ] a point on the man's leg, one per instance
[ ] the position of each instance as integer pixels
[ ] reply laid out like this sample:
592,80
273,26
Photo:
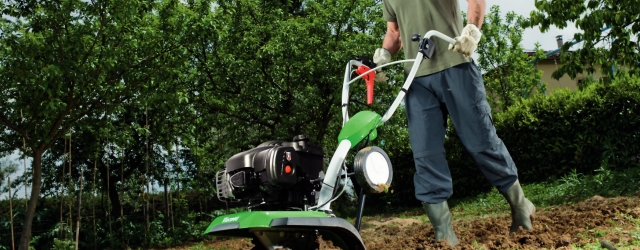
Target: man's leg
432,179
463,92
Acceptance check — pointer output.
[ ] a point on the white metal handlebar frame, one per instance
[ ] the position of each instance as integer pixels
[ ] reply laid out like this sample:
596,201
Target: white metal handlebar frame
326,192
407,83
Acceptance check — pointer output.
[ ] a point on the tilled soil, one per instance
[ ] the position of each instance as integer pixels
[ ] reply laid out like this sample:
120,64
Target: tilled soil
596,220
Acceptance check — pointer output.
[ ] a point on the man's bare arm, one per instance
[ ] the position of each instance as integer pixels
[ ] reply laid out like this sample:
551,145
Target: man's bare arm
392,41
475,12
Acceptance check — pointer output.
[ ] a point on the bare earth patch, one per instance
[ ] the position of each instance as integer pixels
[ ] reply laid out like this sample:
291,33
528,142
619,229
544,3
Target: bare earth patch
372,224
594,220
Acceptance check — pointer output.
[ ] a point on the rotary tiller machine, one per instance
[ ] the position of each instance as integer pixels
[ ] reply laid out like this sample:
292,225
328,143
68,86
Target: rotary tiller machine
288,191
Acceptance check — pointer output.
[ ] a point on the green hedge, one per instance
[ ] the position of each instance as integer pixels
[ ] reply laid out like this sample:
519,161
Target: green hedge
597,127
548,137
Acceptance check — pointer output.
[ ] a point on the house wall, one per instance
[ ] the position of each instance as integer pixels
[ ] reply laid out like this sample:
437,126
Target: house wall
548,67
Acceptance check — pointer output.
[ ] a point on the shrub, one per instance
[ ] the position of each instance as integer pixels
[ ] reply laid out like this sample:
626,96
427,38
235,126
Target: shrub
549,137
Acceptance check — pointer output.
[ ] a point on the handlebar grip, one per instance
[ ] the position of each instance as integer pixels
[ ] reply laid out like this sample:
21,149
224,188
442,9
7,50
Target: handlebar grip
440,35
370,91
416,37
369,79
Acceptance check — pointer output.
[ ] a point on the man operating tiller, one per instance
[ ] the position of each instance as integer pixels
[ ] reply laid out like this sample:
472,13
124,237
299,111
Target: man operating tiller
449,84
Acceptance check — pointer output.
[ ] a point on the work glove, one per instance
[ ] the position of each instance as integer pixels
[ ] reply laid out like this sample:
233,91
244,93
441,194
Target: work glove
468,40
381,77
380,57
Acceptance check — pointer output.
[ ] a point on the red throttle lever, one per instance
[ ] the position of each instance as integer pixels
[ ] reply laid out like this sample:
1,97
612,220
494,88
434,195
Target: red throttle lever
369,78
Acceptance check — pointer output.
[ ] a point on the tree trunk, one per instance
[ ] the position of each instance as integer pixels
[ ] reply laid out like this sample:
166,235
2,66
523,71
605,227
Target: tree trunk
93,203
166,202
13,244
145,210
114,198
36,167
24,159
113,201
64,164
171,209
69,190
146,174
122,195
153,205
79,214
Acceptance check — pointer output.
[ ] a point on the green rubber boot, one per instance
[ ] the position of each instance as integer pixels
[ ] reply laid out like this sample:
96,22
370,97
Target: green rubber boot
441,220
522,209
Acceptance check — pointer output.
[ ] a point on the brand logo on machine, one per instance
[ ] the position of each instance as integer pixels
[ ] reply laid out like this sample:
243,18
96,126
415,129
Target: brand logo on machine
288,156
230,219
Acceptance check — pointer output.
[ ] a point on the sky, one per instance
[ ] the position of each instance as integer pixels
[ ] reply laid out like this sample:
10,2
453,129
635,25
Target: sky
521,7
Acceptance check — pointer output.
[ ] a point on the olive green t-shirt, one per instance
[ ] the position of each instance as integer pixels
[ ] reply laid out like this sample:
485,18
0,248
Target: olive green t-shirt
420,16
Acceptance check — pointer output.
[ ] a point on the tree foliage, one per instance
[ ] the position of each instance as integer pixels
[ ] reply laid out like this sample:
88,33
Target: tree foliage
620,19
64,62
272,70
7,168
98,82
161,93
509,74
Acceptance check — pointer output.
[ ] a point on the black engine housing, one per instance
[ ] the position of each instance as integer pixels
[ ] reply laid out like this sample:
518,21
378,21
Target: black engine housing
273,175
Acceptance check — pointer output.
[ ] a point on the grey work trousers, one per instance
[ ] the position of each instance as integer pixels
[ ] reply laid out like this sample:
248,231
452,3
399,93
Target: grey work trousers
458,92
